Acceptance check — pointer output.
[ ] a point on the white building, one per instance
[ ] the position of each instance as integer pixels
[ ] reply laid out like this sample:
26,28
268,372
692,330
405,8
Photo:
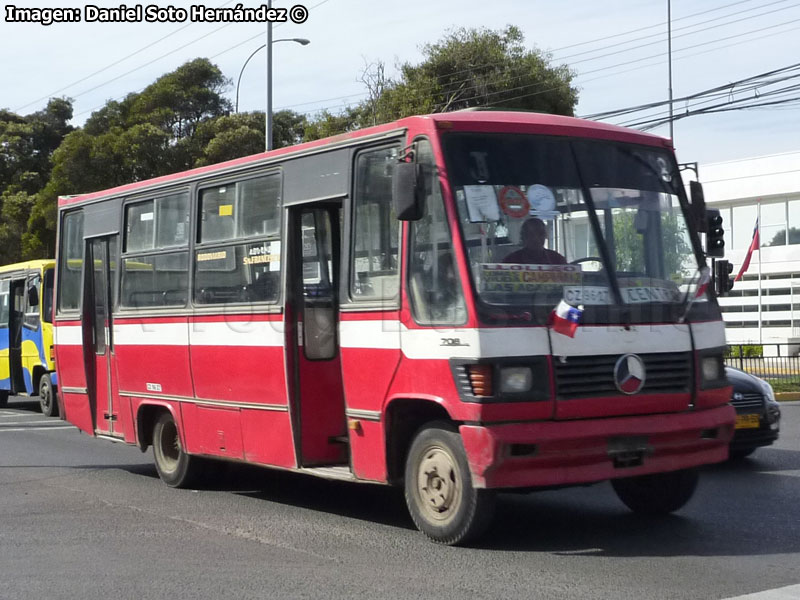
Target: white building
765,187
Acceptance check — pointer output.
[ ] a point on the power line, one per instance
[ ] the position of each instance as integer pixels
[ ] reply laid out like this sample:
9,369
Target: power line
616,35
113,64
172,52
661,34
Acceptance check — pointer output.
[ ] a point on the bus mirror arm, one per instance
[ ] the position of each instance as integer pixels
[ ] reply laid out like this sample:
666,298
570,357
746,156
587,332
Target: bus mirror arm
408,191
698,206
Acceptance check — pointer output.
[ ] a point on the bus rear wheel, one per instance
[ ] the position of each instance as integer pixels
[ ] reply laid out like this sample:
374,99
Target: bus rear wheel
3,398
175,467
438,488
47,397
657,494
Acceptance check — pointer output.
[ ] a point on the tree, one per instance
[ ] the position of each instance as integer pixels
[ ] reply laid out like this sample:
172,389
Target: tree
471,68
629,244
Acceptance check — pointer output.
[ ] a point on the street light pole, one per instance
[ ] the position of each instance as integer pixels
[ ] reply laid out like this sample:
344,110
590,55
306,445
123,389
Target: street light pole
268,127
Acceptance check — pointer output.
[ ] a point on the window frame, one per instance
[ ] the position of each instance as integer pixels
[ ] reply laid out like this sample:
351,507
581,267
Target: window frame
412,300
234,242
123,254
63,263
351,227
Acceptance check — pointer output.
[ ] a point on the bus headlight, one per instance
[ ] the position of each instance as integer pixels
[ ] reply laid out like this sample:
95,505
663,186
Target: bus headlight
711,368
515,380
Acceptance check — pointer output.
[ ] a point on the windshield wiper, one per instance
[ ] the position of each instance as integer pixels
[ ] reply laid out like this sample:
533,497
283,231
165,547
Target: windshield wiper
703,277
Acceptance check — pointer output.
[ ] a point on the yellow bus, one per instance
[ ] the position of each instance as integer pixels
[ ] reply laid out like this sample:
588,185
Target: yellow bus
27,363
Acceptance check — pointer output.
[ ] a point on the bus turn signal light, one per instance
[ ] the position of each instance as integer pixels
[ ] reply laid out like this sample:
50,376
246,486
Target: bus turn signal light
480,378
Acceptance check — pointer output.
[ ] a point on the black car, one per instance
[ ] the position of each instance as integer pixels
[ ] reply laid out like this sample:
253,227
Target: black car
758,414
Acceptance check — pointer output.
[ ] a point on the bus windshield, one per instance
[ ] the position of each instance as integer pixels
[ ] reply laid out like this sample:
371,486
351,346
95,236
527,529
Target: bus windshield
547,218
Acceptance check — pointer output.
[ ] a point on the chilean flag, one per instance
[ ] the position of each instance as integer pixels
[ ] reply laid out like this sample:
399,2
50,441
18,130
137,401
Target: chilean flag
753,246
565,318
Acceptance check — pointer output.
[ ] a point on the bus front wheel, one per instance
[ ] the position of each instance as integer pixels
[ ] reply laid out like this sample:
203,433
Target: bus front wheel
47,397
438,488
175,467
657,494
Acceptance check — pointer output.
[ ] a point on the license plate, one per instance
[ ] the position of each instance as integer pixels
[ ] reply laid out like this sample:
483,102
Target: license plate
747,422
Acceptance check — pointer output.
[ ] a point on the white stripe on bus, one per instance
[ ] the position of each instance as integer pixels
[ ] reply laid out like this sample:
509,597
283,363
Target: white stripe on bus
427,343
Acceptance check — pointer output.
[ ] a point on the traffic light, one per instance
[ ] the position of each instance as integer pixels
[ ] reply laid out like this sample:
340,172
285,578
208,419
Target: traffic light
722,280
715,236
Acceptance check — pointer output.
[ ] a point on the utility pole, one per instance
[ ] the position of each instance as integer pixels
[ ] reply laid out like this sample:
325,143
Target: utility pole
669,61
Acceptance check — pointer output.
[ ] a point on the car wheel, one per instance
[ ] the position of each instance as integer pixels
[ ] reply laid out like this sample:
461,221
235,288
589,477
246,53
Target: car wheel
175,467
47,397
657,494
438,488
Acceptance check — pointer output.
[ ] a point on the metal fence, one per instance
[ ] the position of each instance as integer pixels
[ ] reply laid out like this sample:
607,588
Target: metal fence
777,363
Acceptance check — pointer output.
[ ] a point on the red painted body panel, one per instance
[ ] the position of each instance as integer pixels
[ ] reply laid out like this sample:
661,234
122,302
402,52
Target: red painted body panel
154,363
577,451
213,430
267,437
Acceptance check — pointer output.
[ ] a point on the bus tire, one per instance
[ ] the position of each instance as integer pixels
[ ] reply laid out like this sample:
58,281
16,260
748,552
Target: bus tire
657,494
47,397
175,467
439,493
3,398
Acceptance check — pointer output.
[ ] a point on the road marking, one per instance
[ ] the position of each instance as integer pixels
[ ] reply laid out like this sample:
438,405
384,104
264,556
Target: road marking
791,592
3,429
12,415
3,425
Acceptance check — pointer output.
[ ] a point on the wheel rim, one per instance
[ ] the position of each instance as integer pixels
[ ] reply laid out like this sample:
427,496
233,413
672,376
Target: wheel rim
45,397
438,484
169,447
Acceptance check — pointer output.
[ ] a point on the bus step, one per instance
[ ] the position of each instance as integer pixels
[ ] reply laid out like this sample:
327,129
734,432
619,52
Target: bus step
341,473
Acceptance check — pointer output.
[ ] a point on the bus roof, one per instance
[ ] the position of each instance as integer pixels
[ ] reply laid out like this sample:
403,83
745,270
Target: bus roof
30,265
465,120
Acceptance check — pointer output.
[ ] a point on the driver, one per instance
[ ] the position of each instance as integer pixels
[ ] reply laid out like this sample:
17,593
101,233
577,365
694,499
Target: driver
533,235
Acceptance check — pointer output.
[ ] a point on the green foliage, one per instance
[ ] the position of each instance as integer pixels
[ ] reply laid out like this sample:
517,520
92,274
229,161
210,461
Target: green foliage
629,244
744,351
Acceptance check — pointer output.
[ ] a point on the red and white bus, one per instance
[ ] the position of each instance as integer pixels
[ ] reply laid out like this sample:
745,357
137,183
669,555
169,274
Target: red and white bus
351,308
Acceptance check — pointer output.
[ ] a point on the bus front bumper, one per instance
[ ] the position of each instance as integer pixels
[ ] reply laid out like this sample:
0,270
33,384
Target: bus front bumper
559,453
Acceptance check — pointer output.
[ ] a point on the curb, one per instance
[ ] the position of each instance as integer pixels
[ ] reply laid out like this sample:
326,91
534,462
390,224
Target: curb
787,396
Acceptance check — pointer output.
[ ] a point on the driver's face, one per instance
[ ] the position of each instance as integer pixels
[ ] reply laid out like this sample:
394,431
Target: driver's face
534,234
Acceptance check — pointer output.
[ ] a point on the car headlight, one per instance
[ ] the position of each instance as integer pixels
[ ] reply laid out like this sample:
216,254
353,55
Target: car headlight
515,380
711,368
767,390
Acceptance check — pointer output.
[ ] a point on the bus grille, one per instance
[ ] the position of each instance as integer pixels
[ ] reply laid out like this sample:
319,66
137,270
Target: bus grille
593,376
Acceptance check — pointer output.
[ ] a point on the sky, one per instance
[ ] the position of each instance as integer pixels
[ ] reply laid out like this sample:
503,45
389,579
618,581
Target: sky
617,50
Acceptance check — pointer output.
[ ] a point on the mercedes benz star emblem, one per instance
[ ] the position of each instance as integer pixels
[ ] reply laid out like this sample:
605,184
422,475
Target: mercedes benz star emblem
629,374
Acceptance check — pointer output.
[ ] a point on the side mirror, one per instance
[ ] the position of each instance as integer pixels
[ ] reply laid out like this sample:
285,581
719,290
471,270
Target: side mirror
33,297
698,205
408,191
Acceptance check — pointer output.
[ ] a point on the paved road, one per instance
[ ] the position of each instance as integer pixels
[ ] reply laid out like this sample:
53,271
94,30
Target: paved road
84,518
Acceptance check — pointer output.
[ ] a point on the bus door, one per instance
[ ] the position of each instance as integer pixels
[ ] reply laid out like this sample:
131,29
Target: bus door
15,321
312,345
101,253
32,348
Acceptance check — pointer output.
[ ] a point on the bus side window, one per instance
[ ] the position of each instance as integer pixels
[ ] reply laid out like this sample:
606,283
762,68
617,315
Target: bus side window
69,293
4,311
435,289
32,290
375,268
